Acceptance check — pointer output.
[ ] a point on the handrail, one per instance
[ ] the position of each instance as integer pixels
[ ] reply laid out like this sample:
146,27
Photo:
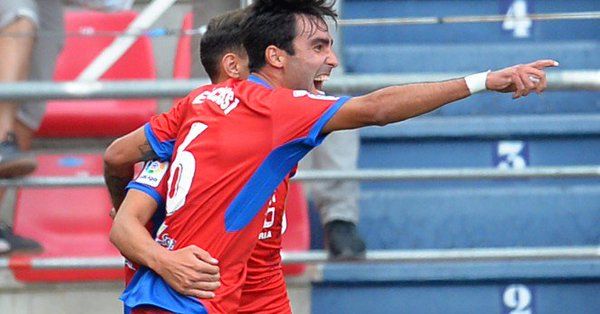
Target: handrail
361,175
346,84
320,257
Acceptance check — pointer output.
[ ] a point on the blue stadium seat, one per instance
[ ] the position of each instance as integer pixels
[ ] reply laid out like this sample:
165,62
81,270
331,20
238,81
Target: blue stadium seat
474,47
558,128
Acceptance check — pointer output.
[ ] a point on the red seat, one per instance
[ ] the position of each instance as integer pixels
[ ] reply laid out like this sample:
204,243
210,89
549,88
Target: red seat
182,68
99,118
297,234
68,222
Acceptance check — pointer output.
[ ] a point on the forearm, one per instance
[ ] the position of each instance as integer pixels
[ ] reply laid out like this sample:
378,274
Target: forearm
398,103
134,241
116,179
120,158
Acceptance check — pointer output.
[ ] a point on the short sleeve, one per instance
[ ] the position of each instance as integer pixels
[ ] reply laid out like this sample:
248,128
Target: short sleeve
152,180
298,114
161,131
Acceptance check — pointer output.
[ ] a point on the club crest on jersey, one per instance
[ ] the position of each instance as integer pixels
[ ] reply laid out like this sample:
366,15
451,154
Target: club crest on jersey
153,173
222,97
301,93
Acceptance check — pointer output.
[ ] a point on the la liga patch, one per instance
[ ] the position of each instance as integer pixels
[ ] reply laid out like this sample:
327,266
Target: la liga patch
153,173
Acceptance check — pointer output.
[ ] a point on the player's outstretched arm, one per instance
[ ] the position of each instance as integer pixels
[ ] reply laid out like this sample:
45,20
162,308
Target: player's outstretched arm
398,103
119,159
190,270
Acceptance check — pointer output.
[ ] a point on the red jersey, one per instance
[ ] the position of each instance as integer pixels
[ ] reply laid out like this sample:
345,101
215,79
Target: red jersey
264,290
231,145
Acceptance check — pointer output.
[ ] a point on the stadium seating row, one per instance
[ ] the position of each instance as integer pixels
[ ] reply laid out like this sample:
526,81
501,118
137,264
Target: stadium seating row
555,129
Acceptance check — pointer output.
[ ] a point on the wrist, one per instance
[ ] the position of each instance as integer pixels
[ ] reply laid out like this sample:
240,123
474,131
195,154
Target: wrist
155,261
477,82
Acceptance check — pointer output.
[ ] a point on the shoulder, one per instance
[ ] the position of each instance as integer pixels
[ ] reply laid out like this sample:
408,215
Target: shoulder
198,92
303,95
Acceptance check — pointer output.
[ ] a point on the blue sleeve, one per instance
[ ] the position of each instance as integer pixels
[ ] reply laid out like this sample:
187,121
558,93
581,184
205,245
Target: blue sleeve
164,150
146,189
315,136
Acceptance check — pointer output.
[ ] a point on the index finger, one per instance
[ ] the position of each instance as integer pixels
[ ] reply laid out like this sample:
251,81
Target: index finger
206,268
540,64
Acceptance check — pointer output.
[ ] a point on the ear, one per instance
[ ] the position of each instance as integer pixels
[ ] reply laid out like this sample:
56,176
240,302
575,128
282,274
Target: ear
231,65
275,57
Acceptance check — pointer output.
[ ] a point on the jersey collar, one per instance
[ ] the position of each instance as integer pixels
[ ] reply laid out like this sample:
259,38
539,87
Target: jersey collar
255,79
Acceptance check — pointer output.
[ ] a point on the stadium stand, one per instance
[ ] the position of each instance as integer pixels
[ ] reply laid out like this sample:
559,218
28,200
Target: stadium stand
69,221
555,129
559,128
99,118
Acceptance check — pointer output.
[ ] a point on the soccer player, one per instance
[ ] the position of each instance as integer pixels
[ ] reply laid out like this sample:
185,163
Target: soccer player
264,289
232,143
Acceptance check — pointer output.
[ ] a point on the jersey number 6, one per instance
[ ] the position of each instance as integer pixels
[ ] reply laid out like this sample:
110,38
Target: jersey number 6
182,171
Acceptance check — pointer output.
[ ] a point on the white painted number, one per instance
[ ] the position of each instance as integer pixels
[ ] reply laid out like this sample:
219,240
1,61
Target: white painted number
511,155
182,171
518,299
517,19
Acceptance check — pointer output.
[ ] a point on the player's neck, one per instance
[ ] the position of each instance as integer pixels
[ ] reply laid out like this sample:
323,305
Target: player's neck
269,77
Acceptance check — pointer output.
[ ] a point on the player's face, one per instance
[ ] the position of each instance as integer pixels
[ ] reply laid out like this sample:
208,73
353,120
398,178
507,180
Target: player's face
314,57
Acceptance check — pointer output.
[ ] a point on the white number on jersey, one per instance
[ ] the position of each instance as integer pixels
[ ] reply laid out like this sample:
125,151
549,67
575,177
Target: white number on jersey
182,171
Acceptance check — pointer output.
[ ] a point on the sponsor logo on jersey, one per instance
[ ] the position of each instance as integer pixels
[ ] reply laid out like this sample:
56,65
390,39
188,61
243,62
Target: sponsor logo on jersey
166,241
163,238
303,93
153,173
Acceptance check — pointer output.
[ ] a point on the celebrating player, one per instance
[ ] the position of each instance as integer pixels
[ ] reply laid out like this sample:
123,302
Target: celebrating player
185,269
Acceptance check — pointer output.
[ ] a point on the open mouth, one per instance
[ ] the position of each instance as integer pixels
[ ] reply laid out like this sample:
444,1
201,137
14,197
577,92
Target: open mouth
319,80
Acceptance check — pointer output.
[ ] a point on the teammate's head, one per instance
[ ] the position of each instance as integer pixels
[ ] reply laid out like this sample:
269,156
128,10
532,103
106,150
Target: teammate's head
221,51
291,39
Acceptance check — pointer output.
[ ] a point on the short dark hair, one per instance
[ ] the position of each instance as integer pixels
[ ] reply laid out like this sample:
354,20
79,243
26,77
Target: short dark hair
273,22
223,35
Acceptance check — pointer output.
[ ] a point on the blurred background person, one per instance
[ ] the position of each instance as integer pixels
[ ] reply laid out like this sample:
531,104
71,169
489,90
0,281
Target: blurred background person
24,56
337,201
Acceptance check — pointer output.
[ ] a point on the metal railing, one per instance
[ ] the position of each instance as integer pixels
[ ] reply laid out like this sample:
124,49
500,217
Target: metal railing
320,257
362,175
427,20
406,21
347,84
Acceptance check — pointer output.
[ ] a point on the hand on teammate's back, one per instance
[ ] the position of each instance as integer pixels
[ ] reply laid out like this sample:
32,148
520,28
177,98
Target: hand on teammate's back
520,79
190,271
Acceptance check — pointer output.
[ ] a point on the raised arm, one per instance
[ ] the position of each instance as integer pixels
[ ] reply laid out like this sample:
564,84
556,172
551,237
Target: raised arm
398,103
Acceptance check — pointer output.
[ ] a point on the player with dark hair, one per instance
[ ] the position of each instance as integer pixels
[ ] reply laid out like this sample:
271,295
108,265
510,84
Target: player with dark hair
231,144
188,270
223,34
